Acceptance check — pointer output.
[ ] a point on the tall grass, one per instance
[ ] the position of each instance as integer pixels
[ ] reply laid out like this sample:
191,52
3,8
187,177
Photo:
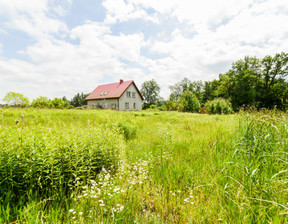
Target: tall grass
256,185
65,166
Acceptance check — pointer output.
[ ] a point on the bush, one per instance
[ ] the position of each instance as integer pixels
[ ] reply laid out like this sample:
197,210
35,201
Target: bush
152,106
41,102
171,105
218,106
128,130
58,103
189,102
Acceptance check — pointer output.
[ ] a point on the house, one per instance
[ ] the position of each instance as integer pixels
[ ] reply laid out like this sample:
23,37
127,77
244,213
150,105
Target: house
123,95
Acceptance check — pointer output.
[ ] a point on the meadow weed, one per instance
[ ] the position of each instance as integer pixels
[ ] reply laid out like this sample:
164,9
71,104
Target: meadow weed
95,166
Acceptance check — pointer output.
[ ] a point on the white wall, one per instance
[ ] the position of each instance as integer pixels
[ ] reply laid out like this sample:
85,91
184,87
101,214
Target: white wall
124,99
109,102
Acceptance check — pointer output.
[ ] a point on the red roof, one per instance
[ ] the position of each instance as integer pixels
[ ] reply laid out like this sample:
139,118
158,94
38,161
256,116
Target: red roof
113,90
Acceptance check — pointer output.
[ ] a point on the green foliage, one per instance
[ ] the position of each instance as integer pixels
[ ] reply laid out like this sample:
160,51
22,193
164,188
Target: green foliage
196,87
189,102
210,90
218,106
250,82
171,105
150,91
152,106
46,160
128,130
257,169
79,100
44,102
41,102
59,103
178,89
16,99
255,82
175,168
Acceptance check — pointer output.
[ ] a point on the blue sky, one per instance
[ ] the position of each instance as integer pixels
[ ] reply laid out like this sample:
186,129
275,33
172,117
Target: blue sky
58,48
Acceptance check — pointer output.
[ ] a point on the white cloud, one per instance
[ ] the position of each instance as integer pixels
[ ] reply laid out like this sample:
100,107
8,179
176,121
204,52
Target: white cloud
63,68
119,11
35,17
221,32
245,34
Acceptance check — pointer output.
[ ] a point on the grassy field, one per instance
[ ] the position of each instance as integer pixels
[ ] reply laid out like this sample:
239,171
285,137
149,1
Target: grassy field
93,166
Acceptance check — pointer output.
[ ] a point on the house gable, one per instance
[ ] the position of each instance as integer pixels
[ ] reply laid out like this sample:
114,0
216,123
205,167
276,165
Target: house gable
131,99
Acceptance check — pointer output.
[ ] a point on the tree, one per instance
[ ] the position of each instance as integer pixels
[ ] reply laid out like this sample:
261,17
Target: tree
274,87
255,82
16,99
79,100
240,84
210,90
178,89
189,102
41,102
150,91
197,88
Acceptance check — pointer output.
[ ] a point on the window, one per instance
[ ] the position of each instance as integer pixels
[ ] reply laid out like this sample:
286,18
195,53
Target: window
103,93
133,94
128,94
113,105
100,105
134,105
126,105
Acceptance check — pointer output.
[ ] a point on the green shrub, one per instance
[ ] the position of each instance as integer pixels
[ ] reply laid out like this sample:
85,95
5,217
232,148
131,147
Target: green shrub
189,102
218,106
128,130
171,105
152,106
41,102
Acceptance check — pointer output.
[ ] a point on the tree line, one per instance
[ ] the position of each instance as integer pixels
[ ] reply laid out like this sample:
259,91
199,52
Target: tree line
250,82
19,100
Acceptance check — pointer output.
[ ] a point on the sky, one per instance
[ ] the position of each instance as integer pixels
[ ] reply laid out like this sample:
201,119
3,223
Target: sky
57,48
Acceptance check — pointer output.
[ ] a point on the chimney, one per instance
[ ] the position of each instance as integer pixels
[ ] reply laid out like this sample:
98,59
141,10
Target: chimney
121,80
